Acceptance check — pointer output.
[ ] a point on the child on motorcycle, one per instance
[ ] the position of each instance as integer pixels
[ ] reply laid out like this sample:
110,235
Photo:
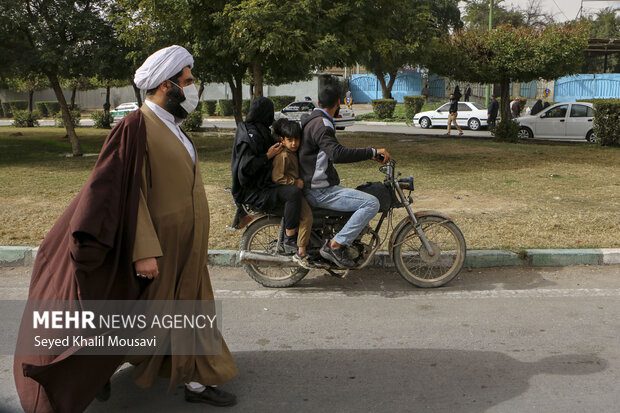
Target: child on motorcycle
286,172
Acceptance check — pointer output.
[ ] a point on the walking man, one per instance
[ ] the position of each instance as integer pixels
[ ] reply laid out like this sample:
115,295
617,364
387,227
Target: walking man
452,114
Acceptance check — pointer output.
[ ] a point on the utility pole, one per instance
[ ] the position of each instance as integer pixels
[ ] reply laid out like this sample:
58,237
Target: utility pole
488,94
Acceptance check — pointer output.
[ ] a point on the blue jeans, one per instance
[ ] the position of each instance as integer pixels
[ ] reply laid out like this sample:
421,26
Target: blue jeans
339,198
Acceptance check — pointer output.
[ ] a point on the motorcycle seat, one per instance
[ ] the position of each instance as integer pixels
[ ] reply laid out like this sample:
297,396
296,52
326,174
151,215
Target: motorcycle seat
316,212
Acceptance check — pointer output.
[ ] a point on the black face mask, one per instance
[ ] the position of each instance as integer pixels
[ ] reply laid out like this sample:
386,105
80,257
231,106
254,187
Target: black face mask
173,104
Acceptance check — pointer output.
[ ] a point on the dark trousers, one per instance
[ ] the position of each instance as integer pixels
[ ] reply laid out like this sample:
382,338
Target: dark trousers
491,122
290,196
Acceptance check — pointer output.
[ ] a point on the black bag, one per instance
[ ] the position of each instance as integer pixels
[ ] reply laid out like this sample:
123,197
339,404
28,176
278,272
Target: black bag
382,192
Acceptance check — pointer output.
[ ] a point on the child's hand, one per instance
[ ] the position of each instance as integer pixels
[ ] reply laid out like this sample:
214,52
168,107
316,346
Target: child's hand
299,183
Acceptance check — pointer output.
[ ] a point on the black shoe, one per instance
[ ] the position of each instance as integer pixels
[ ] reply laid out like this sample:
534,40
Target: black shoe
211,395
337,256
105,393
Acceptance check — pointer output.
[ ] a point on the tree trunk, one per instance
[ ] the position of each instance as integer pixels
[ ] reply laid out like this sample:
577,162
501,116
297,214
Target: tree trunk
66,116
73,92
236,84
136,92
201,90
257,74
30,100
106,105
505,101
386,88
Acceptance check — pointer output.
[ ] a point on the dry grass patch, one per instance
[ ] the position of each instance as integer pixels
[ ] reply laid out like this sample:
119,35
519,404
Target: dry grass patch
501,195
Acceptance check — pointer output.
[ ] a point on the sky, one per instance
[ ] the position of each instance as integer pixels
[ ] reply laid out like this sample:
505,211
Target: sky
563,10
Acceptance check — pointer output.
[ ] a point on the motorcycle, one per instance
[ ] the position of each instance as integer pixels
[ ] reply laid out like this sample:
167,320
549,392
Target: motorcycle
427,247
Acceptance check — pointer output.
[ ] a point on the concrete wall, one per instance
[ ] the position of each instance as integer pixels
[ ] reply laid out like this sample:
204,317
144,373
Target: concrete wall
94,99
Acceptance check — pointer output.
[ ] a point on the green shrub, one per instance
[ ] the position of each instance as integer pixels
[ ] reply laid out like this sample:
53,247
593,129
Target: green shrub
25,119
18,105
41,109
6,110
226,107
102,120
507,130
607,122
75,119
193,121
413,105
245,106
52,107
383,108
279,102
208,107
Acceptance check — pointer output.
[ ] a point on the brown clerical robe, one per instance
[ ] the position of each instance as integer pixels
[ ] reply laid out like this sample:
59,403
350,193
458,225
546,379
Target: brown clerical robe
173,224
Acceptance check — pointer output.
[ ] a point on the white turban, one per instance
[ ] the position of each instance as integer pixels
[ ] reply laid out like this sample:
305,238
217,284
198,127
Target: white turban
161,66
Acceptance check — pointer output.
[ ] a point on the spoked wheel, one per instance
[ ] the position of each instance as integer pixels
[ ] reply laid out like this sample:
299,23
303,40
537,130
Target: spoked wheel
262,237
437,267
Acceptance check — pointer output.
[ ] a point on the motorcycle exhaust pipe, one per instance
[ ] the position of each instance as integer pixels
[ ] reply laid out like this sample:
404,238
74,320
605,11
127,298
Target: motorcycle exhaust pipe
257,258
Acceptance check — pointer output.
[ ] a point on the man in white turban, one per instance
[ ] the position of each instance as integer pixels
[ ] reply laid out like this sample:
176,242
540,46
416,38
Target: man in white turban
138,229
173,222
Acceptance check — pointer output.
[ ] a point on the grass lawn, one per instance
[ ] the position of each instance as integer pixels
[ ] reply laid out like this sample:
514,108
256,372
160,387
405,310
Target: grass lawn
501,195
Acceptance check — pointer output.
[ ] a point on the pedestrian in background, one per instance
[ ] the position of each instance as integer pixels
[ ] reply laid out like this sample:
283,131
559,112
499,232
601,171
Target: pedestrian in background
515,108
453,112
457,93
467,93
492,111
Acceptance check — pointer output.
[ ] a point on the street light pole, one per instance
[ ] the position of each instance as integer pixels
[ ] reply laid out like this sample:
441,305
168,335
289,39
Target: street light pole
490,27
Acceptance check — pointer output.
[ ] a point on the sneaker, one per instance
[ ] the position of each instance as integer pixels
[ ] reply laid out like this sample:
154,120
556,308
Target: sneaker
290,244
461,133
336,256
302,261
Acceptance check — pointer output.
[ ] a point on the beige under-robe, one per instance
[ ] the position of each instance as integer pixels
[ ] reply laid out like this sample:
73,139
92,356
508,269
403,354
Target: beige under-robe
173,224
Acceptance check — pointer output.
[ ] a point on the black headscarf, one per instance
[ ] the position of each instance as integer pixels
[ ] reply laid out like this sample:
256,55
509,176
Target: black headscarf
538,106
457,92
261,112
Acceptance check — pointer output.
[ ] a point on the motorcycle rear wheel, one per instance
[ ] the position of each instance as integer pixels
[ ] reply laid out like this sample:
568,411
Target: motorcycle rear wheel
414,263
262,237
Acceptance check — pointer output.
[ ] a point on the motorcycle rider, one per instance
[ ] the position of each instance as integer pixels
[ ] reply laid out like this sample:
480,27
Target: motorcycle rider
318,152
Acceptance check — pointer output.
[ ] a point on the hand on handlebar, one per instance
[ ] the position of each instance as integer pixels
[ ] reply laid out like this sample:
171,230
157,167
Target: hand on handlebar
275,149
383,156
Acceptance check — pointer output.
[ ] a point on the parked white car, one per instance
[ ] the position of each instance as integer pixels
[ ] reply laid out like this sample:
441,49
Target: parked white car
565,120
470,115
124,109
295,110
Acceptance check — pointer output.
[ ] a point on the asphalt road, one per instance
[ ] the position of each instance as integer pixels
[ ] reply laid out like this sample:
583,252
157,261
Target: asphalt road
509,340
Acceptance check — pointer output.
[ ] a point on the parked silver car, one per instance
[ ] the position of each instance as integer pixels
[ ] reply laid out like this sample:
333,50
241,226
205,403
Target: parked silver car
565,120
295,110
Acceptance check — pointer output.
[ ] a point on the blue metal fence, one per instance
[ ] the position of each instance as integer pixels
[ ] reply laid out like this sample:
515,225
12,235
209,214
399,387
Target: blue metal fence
587,86
366,87
437,86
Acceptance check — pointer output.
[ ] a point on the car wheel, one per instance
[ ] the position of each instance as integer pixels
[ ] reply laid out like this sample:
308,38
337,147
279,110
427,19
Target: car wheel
473,124
525,133
425,123
591,137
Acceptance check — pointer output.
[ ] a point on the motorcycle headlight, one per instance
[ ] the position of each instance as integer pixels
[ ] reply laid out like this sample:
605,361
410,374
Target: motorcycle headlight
406,183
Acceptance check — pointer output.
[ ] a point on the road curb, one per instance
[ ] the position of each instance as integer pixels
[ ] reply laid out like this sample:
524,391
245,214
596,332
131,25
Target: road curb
24,256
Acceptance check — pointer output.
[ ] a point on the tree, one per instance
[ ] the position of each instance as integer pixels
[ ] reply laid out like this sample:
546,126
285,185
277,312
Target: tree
603,25
78,83
477,14
397,34
52,38
507,53
29,83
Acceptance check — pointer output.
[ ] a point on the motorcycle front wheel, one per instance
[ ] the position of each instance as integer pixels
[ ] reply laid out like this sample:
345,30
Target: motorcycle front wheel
262,237
423,269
